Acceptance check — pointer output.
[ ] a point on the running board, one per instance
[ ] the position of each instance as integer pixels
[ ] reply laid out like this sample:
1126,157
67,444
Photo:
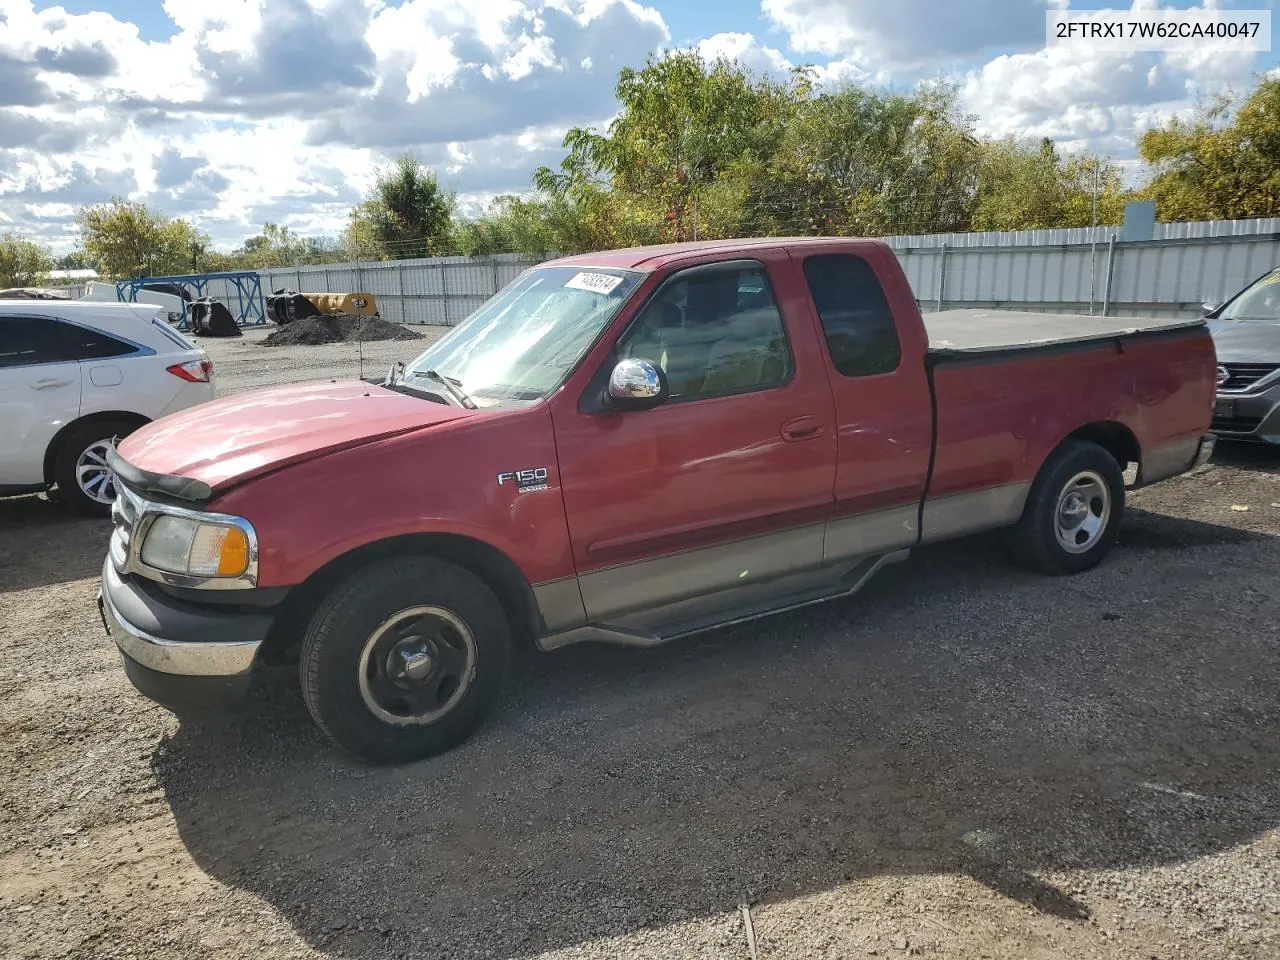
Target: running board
664,630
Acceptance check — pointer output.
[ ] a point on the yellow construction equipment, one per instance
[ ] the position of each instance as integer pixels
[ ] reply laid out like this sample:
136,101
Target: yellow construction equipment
354,304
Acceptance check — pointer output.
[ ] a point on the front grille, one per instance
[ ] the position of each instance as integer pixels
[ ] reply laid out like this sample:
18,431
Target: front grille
1245,375
124,514
1235,424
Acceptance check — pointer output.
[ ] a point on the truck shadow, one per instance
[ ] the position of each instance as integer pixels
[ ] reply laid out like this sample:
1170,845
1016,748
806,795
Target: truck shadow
959,717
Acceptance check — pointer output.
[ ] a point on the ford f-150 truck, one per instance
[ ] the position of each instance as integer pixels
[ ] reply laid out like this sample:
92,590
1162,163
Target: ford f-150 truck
624,447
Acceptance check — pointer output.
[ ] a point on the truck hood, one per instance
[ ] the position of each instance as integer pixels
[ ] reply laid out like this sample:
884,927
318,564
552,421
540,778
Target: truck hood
1246,341
230,440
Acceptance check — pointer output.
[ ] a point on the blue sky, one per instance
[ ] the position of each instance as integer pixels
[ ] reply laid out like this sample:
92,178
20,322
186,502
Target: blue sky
236,112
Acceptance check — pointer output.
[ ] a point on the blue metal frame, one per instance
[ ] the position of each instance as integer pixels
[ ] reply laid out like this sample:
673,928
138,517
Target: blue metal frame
246,283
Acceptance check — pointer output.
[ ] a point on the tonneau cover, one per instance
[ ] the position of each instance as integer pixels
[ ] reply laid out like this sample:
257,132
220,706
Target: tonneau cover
960,333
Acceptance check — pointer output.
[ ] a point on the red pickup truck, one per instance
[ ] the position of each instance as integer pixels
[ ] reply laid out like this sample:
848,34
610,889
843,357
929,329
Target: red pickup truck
624,447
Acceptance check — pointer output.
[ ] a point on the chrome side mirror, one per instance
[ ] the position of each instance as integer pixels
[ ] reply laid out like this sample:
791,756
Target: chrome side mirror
636,384
1209,306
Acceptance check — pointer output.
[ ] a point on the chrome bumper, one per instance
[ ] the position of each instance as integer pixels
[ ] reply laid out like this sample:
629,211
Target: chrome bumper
148,634
167,656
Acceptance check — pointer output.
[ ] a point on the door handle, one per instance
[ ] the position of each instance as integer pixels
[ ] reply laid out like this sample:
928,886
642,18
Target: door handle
802,428
49,382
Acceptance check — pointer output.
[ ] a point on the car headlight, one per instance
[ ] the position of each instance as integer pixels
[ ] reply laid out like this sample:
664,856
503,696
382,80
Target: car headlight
197,548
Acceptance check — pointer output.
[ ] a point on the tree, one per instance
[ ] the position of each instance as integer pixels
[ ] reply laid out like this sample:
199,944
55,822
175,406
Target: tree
860,161
23,263
75,260
276,246
1223,163
684,126
1032,187
405,214
126,239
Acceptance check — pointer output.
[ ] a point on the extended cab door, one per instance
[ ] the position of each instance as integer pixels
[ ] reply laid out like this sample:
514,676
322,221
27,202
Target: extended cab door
39,394
727,484
875,353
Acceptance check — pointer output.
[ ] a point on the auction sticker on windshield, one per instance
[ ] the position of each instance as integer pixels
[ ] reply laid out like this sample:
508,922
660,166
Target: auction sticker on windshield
594,282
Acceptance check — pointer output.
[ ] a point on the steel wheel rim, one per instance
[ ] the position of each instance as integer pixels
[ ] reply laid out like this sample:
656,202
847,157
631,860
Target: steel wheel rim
1082,513
417,666
93,476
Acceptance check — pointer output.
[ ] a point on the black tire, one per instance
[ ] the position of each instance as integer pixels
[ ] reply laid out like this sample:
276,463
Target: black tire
335,686
1035,539
70,447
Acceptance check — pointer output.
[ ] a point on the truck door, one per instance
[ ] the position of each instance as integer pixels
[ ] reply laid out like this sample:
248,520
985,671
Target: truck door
729,482
882,401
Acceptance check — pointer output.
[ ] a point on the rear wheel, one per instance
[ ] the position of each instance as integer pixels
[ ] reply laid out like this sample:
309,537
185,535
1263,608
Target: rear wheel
405,659
1073,512
80,466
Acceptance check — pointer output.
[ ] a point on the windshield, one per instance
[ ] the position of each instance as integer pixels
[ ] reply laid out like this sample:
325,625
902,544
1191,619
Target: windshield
1259,302
521,343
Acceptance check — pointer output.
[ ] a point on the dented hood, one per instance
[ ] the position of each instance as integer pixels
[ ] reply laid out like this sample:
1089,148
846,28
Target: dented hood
227,441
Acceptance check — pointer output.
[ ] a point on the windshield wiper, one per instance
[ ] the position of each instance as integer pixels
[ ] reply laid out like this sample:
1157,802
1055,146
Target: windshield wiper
453,386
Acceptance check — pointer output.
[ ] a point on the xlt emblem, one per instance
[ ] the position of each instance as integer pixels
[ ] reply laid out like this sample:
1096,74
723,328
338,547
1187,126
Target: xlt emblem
525,480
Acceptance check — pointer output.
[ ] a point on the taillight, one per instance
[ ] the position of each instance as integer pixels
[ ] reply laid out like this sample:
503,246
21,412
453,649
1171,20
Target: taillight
193,371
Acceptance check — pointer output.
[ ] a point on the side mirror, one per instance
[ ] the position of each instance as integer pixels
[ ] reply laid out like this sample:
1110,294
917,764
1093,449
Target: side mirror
1209,306
636,384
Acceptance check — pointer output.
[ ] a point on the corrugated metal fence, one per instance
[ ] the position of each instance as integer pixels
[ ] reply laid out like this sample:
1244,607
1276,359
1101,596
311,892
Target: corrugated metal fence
1169,278
1055,271
441,290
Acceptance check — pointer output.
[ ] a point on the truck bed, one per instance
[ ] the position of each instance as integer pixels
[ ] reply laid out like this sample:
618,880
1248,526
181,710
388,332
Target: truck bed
962,333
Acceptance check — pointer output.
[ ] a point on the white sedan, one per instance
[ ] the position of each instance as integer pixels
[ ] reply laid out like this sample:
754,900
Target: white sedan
77,376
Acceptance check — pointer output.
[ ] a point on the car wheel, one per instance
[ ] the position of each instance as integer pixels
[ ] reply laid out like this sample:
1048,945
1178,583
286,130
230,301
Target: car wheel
1073,512
404,659
80,467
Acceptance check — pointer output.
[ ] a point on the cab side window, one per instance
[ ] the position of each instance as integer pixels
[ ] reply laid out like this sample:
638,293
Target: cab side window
856,320
714,333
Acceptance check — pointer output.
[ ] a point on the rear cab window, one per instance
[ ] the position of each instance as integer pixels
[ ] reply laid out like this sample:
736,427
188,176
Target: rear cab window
861,335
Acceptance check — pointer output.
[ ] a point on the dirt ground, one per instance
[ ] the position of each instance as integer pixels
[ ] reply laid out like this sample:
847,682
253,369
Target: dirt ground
967,760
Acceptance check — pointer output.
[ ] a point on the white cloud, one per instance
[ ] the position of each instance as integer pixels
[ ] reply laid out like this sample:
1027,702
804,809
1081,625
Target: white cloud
907,32
280,109
745,49
1093,100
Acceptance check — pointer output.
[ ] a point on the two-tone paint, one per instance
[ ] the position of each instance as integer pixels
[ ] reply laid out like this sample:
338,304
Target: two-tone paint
643,526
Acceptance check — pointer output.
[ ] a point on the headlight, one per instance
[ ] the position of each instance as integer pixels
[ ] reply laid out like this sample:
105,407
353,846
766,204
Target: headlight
196,548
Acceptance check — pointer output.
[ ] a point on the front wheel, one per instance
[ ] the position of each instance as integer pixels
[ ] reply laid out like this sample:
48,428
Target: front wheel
405,659
1073,512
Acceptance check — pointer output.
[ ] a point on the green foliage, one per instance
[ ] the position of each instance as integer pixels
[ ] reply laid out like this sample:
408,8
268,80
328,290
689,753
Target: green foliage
23,263
407,213
711,150
1031,187
125,239
279,246
76,260
1218,164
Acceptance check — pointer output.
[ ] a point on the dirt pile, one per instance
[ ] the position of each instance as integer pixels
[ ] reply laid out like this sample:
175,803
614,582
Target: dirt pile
342,328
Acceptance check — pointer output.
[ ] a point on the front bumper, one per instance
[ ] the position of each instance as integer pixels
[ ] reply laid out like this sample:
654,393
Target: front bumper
175,653
1256,417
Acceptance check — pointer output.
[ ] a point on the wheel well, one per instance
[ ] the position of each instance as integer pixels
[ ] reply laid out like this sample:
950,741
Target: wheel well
51,452
488,563
1117,439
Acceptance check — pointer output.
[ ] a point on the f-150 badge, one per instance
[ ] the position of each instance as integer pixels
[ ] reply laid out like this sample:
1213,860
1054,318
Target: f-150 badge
525,480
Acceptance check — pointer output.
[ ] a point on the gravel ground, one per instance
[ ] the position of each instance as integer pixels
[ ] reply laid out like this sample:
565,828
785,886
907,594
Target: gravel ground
966,761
